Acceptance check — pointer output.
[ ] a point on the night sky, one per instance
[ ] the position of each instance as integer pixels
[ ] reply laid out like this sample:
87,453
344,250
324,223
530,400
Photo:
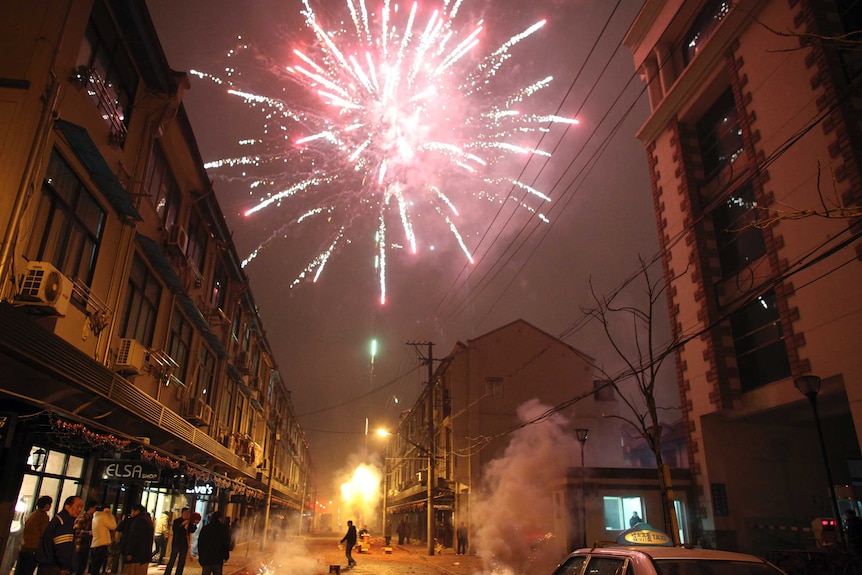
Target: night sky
601,215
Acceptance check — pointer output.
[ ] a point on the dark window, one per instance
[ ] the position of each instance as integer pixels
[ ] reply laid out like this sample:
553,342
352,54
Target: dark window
758,339
205,375
69,223
850,12
198,235
145,291
605,566
111,79
162,188
703,27
572,566
603,391
180,343
738,241
719,135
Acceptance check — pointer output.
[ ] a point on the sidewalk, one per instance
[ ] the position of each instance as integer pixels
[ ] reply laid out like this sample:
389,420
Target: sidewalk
245,558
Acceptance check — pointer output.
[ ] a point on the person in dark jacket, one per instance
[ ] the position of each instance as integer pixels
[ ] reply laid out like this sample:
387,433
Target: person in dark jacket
35,525
349,541
214,545
137,544
56,554
182,529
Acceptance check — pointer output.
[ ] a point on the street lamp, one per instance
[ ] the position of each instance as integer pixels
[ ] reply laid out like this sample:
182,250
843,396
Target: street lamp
809,386
428,482
582,433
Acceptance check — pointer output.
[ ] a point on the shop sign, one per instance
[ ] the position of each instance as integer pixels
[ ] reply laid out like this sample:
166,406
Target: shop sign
207,488
130,471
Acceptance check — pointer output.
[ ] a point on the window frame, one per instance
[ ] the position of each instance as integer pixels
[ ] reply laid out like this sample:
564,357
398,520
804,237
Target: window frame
61,234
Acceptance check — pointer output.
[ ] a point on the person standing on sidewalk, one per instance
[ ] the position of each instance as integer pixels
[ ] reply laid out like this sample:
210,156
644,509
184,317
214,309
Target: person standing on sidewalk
104,523
349,541
56,554
161,540
182,528
214,545
35,525
461,535
137,544
84,535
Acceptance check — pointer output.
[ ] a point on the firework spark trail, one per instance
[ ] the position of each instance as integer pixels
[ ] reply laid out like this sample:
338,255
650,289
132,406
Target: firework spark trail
401,116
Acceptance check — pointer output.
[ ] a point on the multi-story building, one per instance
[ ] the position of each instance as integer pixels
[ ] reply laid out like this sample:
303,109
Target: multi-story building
754,148
478,390
135,362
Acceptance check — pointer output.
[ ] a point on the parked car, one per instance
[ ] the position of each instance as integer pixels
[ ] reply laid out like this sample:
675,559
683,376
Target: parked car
657,557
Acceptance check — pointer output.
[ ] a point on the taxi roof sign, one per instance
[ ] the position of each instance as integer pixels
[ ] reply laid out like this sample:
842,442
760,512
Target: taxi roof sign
644,534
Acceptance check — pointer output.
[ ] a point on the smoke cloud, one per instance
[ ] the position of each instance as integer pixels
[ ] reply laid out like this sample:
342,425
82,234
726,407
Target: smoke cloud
514,525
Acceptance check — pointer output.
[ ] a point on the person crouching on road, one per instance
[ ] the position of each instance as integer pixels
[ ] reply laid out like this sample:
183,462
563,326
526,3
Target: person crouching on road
214,545
137,545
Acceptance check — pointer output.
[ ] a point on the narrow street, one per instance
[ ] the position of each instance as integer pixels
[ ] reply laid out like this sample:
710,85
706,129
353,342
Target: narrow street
313,555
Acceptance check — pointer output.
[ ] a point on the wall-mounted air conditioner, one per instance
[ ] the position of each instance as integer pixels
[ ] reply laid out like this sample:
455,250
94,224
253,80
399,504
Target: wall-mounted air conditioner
178,240
197,411
131,357
44,287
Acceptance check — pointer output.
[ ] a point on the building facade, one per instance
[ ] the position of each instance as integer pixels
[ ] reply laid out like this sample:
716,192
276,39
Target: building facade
136,365
477,392
754,147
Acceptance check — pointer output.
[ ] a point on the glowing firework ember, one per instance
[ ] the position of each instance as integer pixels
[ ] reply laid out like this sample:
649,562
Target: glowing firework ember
402,118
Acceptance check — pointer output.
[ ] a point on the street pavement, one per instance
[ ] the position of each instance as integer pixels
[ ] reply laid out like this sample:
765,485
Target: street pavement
313,555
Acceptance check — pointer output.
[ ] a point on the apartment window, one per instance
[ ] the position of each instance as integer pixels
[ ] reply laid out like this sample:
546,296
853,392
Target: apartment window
218,295
205,375
162,188
758,339
142,303
494,387
738,241
603,391
197,247
226,393
704,26
850,12
110,77
620,510
180,343
69,223
719,135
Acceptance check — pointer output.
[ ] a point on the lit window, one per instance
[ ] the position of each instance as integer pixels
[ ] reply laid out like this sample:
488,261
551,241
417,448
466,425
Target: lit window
703,28
738,240
620,511
719,135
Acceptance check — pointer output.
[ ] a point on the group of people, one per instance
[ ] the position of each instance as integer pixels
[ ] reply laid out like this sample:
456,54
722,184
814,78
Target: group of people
79,534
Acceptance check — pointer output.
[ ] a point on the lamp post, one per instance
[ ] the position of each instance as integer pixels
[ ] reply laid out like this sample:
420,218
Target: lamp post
430,488
809,386
582,434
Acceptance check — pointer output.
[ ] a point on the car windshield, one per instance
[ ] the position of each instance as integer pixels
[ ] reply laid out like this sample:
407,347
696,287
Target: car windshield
712,567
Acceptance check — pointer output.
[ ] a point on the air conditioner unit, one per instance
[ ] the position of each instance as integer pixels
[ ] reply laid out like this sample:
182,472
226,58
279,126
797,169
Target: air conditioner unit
178,240
46,288
198,412
131,357
242,362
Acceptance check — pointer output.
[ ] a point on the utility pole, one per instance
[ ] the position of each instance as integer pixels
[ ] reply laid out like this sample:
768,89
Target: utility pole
431,447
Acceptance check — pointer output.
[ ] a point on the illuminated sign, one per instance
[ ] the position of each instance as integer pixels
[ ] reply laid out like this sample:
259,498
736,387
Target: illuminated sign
201,489
645,537
130,471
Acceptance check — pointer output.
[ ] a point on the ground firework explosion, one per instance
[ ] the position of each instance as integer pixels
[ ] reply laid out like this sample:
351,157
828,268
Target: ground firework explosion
402,119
